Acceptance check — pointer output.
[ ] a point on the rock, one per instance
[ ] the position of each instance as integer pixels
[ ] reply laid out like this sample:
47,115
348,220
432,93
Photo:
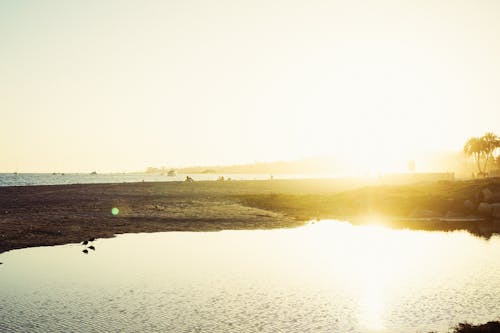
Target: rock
487,194
484,209
495,209
469,204
495,197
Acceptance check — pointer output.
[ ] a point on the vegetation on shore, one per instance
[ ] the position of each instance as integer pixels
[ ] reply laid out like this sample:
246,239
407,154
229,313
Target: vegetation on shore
482,150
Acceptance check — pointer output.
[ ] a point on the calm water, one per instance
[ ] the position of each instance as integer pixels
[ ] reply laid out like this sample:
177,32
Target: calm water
23,179
324,277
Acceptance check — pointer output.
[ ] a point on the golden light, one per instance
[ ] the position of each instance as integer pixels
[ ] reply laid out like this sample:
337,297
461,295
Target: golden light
373,261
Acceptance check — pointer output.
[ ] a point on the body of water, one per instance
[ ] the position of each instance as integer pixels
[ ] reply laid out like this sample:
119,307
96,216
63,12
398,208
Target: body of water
26,179
324,277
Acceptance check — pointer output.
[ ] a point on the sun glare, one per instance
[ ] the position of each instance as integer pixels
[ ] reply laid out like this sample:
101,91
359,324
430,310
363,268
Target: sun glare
376,261
205,134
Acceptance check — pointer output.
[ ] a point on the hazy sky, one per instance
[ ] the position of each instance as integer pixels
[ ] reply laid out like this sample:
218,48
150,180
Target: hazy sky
120,85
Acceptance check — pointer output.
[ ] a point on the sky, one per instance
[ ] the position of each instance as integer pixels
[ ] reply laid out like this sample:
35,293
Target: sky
121,85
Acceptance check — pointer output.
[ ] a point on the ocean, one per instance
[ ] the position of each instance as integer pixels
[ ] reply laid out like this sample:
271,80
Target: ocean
30,179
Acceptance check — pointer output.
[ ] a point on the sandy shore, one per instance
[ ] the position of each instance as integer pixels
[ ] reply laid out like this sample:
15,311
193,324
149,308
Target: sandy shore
60,214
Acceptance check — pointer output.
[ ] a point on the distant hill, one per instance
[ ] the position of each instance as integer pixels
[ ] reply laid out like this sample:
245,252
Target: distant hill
320,165
441,161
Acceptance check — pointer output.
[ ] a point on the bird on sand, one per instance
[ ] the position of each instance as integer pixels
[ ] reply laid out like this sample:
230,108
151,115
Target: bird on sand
85,242
85,251
91,247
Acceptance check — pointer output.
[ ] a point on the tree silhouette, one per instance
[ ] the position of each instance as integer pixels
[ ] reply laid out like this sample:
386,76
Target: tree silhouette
482,150
490,143
473,148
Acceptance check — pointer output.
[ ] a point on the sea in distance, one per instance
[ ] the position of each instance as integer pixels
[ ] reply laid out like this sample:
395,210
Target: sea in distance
327,276
30,179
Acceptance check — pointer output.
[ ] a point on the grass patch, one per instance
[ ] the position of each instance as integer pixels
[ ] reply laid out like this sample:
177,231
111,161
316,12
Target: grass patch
394,201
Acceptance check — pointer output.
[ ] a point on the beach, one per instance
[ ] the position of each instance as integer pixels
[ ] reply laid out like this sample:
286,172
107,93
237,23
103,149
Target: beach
243,271
60,214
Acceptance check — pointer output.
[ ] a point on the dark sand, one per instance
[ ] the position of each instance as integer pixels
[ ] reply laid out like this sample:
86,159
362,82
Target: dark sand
60,214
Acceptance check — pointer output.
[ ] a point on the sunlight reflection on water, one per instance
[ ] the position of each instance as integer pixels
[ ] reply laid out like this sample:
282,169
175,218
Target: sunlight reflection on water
324,277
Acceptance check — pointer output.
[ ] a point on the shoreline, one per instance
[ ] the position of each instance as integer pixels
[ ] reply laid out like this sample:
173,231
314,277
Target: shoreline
485,228
48,215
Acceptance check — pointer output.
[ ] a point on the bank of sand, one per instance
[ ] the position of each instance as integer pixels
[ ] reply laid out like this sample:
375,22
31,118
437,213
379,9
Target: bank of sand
60,214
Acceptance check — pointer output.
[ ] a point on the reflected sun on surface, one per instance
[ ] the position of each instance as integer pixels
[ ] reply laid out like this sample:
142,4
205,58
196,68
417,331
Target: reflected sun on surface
374,263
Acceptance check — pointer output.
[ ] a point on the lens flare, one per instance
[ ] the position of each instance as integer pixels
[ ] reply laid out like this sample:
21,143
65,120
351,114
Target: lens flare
115,211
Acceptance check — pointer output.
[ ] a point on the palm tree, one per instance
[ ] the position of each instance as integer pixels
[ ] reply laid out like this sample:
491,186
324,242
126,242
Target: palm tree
482,150
474,147
490,142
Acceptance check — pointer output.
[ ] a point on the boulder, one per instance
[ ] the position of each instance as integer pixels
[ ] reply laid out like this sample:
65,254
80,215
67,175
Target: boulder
484,209
495,209
468,204
495,197
487,194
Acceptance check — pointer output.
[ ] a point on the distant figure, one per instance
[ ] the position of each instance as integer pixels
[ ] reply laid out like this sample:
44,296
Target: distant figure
220,179
189,179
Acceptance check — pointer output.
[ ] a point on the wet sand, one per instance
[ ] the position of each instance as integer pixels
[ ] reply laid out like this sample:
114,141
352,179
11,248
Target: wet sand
61,214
